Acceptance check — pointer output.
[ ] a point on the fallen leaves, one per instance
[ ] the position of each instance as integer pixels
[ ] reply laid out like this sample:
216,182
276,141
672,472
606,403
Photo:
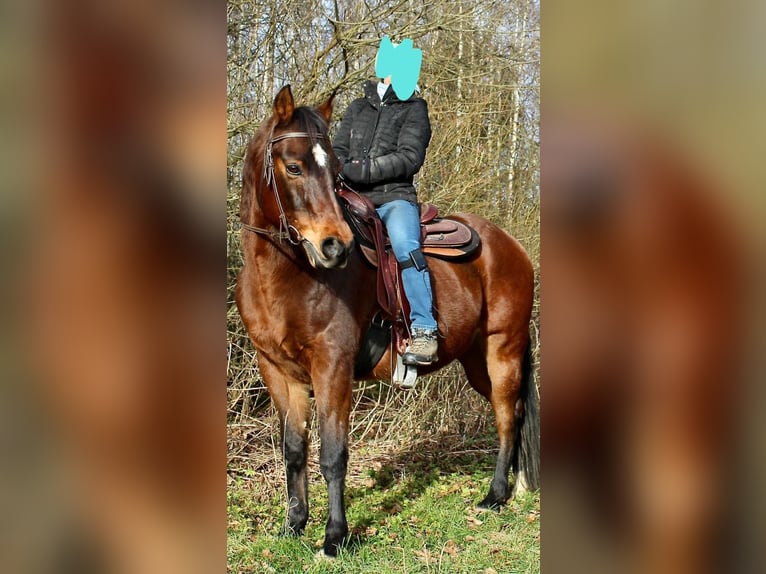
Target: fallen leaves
451,548
428,556
395,508
424,555
532,516
473,522
369,482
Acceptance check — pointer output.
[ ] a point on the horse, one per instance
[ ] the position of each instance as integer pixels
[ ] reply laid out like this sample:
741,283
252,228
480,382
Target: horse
306,298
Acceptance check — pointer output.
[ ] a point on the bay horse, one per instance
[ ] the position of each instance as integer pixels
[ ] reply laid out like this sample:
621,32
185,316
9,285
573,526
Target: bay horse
306,298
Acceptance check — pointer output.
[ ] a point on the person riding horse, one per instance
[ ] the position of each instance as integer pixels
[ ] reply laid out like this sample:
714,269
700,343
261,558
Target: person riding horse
301,272
381,145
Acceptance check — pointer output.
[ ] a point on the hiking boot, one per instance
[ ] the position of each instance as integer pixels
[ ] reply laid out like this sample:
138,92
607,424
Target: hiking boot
422,349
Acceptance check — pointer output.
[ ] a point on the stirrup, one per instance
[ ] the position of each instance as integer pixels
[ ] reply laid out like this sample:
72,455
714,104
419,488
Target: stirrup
404,376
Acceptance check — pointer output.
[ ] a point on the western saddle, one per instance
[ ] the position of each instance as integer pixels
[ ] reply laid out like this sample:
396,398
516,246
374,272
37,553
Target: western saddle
444,238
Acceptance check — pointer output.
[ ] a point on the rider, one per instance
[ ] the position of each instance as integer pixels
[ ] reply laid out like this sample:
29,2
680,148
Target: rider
381,144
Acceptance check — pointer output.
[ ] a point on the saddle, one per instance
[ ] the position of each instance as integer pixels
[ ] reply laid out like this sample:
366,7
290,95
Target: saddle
444,238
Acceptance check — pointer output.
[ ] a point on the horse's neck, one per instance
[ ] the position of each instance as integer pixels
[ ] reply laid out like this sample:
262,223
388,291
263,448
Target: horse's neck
286,264
255,215
271,255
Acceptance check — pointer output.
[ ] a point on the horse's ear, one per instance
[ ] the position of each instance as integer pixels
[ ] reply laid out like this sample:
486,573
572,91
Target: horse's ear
325,108
284,105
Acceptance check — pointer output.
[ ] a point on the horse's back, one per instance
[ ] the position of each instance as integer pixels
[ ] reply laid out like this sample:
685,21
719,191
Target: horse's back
502,263
491,292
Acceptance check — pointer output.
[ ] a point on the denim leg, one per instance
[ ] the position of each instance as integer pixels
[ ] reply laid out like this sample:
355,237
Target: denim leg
402,221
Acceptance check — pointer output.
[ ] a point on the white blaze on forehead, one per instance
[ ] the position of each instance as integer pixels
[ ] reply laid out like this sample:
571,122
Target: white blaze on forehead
320,155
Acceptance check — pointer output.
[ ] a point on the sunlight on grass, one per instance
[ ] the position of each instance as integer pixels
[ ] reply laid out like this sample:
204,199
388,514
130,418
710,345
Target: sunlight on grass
421,521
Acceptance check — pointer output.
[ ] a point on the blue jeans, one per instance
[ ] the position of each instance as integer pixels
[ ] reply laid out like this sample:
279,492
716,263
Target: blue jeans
402,221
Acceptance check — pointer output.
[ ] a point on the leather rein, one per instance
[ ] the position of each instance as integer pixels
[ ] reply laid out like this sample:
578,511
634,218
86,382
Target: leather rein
286,230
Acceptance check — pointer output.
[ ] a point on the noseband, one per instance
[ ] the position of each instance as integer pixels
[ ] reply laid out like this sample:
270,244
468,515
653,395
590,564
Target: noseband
286,230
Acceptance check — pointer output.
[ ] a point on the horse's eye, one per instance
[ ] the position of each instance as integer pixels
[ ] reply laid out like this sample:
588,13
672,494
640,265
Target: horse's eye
293,169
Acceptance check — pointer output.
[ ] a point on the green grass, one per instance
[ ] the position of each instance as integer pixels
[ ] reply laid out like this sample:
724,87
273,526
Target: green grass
412,514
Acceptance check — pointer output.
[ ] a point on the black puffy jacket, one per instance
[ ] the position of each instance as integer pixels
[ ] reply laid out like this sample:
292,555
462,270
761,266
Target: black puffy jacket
382,144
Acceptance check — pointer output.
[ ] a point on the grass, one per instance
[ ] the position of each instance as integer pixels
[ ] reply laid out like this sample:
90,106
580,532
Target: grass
419,463
410,509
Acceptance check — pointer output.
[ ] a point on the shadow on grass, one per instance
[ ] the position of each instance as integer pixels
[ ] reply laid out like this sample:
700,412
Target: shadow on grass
392,482
404,476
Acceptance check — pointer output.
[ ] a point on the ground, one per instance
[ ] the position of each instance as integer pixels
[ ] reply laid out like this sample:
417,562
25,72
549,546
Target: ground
411,508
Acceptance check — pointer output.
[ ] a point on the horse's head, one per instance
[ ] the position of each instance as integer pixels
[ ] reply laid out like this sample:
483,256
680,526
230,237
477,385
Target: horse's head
289,182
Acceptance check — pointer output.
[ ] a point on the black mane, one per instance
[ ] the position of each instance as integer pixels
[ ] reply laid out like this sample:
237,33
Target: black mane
311,121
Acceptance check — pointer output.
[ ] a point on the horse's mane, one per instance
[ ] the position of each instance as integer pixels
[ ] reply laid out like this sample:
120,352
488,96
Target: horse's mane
308,119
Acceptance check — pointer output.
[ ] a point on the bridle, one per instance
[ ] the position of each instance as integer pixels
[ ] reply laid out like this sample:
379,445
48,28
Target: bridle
286,230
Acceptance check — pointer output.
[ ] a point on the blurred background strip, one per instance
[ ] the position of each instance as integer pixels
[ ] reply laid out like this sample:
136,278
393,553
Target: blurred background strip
115,435
651,307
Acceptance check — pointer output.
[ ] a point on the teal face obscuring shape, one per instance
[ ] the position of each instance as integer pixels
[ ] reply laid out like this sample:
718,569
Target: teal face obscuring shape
401,62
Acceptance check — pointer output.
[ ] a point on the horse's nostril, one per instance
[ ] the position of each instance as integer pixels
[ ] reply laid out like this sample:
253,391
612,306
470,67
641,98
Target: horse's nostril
332,248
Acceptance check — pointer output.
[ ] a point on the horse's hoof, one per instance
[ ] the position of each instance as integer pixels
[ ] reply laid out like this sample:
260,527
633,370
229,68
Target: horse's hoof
293,531
335,537
491,503
331,549
321,556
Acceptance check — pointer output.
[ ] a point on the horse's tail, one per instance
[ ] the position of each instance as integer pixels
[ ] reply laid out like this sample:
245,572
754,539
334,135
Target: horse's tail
526,455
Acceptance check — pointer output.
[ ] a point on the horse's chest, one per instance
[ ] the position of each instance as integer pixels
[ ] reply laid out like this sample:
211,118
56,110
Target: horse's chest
277,325
287,323
296,320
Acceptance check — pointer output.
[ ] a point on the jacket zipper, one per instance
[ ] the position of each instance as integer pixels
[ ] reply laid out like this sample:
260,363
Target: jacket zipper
374,129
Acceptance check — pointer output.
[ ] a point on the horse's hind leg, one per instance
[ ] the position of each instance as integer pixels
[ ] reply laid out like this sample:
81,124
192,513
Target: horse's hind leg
292,401
496,373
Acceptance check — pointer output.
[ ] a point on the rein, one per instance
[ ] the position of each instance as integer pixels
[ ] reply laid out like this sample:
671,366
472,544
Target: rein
286,230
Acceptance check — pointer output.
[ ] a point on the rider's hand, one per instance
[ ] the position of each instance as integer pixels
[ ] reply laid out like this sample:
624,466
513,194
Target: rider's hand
357,170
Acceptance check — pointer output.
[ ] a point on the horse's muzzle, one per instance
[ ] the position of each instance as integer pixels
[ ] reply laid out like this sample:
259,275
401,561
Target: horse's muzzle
334,253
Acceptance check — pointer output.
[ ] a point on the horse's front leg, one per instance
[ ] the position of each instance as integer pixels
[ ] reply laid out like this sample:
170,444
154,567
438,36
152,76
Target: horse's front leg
292,401
332,392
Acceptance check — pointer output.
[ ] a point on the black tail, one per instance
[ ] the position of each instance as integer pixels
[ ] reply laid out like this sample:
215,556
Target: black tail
526,450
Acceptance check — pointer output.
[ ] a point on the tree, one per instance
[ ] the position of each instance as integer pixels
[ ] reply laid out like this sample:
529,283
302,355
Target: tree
480,77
